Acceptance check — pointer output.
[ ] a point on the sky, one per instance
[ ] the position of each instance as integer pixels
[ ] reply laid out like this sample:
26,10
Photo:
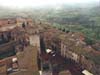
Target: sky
25,3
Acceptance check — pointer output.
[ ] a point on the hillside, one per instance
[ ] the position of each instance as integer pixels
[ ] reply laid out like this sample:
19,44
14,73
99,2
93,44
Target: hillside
75,18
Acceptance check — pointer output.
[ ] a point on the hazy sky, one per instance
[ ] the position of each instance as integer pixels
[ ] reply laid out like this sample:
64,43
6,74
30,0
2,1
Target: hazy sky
24,3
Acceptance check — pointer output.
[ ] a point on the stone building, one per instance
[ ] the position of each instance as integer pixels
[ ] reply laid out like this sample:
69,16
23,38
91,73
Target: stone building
7,65
22,38
7,21
50,39
75,49
27,60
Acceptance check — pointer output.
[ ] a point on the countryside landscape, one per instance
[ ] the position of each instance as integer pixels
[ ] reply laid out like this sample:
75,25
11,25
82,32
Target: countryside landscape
60,39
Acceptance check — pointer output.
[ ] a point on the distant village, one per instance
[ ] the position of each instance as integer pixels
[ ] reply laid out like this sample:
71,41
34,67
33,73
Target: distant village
29,47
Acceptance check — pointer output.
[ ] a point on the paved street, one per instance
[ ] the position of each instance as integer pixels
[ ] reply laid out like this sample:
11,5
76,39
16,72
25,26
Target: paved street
59,62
